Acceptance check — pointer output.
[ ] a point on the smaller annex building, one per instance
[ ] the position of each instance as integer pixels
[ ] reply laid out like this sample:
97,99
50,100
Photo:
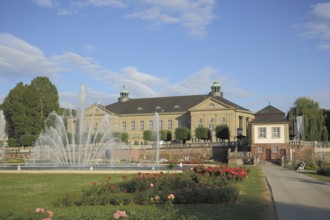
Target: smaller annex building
270,134
134,116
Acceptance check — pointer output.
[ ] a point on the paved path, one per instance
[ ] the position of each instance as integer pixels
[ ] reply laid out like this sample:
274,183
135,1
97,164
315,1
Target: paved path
297,196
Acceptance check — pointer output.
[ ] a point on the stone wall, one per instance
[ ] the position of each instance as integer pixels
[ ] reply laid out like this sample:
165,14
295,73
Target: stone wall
294,152
148,155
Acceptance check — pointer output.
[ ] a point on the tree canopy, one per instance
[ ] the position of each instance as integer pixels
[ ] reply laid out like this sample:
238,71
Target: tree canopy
313,119
203,133
182,133
27,106
222,131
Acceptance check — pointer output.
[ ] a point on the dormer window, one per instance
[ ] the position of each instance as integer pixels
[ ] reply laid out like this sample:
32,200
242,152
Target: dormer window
158,107
177,106
140,109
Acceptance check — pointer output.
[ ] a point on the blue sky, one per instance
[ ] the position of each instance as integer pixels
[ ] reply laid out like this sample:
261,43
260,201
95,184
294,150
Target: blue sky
260,51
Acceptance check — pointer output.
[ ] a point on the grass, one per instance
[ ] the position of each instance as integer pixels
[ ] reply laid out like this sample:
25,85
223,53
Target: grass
321,178
21,194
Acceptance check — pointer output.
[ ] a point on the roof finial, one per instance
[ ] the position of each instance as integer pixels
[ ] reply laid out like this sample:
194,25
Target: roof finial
269,103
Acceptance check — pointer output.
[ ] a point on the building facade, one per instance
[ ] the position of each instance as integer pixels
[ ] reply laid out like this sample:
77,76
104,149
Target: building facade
270,134
134,116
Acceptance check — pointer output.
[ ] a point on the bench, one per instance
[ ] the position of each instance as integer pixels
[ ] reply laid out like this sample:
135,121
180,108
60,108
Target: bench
301,166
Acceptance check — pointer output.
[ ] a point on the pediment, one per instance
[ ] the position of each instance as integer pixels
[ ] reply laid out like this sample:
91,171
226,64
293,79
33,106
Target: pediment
95,110
210,104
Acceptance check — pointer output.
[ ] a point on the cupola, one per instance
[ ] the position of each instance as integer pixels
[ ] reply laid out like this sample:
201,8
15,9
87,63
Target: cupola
216,90
123,95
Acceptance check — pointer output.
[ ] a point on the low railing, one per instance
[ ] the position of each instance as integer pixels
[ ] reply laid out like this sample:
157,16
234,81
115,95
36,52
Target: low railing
308,143
240,154
196,145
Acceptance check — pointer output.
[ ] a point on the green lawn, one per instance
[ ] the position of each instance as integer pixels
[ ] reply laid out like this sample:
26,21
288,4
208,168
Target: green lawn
21,194
318,177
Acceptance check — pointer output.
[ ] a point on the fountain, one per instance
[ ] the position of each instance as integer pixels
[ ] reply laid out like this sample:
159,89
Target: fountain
3,135
157,137
88,145
84,147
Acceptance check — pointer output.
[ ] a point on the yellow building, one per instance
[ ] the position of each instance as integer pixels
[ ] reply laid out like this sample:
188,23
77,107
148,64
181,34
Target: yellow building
134,116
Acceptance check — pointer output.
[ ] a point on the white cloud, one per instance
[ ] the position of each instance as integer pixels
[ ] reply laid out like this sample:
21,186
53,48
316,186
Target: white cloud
193,15
138,83
44,3
100,3
322,10
319,26
21,58
89,48
197,83
324,46
73,61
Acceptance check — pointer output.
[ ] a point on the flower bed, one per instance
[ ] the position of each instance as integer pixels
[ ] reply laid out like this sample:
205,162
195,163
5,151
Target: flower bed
199,185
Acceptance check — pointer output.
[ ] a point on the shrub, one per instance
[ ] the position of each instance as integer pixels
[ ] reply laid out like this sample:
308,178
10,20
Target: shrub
12,142
324,169
200,185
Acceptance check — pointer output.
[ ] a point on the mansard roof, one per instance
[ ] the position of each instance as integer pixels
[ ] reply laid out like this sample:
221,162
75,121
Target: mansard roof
269,114
164,104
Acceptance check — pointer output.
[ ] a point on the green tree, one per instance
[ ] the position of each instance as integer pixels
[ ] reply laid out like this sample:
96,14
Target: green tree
313,119
43,99
326,113
116,136
203,133
222,131
12,142
120,137
124,137
166,135
15,111
147,135
182,133
27,106
27,140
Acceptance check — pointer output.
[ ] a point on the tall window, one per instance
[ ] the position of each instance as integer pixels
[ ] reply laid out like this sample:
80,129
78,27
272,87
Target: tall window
141,125
275,149
211,125
240,122
200,123
151,125
262,132
160,125
132,125
276,132
260,149
170,125
124,125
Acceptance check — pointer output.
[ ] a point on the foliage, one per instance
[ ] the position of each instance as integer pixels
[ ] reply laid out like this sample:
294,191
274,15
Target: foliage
183,134
27,106
166,135
27,140
203,133
120,136
147,135
313,119
12,142
14,110
324,169
43,190
124,137
222,131
96,138
326,113
200,185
